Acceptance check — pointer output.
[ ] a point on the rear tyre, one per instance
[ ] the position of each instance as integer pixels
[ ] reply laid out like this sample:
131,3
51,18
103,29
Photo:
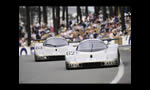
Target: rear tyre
36,58
67,67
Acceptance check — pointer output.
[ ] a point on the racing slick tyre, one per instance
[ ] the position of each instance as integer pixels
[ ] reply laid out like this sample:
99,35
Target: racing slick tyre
67,67
36,58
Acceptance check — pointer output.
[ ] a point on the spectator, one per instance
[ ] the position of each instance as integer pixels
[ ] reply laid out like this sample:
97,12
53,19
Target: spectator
51,29
116,19
91,36
86,36
114,33
95,34
33,36
86,29
21,34
38,36
80,37
99,36
130,39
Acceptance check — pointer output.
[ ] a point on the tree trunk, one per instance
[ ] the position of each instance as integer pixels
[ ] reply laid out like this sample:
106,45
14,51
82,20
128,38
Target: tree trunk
116,11
58,16
80,13
63,14
67,17
77,13
45,14
54,21
86,11
122,19
104,13
39,15
96,10
111,11
28,25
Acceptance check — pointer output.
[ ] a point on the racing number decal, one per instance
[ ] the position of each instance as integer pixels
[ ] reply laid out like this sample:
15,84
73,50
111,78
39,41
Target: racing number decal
70,53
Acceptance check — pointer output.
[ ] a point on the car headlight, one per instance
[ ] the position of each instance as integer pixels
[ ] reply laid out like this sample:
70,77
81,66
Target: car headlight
110,63
43,57
73,64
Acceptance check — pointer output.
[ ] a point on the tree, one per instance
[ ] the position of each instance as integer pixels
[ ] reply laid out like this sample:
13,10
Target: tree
39,10
116,11
63,14
80,13
111,11
77,13
67,16
28,25
104,13
96,10
57,17
122,18
45,14
86,11
54,21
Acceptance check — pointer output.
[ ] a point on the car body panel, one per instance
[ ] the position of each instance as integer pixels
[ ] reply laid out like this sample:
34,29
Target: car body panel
45,51
108,56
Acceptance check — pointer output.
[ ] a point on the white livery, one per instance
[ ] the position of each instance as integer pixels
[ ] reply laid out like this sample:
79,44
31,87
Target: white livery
93,53
54,48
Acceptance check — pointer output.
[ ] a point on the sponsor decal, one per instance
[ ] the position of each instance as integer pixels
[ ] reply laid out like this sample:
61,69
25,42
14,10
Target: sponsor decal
26,51
70,53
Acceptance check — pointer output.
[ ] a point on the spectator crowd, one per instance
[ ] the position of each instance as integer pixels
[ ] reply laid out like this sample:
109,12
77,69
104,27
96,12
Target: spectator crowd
91,27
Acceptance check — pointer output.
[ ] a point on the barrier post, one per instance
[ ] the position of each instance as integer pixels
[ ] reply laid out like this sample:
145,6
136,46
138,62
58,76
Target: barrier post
120,41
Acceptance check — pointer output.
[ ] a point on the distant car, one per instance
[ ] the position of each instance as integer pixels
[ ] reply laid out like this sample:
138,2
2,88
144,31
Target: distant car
54,48
93,53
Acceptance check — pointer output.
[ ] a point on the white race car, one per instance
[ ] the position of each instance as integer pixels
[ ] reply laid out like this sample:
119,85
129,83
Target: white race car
54,48
93,53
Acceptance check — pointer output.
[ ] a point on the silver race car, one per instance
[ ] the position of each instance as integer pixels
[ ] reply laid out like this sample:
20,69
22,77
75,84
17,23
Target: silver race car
54,48
93,53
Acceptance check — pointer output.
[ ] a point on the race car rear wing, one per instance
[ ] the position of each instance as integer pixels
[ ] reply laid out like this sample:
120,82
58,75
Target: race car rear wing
103,39
45,39
106,39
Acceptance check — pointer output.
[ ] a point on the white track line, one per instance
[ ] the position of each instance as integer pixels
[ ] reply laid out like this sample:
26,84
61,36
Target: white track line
119,74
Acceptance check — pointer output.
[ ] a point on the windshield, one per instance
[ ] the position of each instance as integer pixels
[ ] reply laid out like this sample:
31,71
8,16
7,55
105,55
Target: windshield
91,46
56,42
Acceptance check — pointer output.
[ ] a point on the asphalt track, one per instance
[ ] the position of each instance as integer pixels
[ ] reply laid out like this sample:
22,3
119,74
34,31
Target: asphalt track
54,72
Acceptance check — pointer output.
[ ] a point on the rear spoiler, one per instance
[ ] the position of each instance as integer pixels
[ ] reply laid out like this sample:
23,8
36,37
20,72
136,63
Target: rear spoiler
105,39
65,38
